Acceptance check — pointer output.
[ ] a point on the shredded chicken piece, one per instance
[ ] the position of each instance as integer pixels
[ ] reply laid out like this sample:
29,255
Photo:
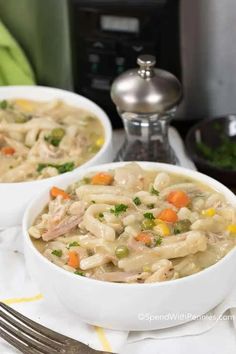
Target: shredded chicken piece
63,227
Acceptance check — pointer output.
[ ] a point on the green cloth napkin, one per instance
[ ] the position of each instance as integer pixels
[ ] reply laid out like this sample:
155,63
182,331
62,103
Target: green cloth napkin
14,66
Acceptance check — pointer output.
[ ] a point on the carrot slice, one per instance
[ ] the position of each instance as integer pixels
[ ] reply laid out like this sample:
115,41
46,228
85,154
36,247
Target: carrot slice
102,178
8,150
73,260
55,192
178,198
144,237
168,215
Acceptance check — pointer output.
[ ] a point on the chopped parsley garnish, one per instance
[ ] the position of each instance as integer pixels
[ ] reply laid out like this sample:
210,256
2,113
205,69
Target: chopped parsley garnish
154,191
149,216
65,167
57,253
137,201
100,216
73,244
118,209
41,166
3,104
52,141
151,206
157,241
78,272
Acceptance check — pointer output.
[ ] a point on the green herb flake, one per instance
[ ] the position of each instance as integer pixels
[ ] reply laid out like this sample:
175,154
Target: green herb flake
118,209
78,272
151,206
57,253
100,217
41,166
3,104
137,201
154,191
149,216
157,241
93,202
66,167
73,244
53,141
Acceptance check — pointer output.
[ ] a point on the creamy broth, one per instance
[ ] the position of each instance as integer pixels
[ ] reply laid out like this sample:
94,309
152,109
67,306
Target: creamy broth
135,226
43,139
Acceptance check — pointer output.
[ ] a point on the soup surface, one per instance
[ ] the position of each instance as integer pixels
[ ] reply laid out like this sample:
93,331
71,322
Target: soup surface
132,225
43,139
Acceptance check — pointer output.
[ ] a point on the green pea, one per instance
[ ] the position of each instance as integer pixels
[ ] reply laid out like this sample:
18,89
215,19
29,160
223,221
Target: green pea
148,224
57,133
182,226
121,251
57,253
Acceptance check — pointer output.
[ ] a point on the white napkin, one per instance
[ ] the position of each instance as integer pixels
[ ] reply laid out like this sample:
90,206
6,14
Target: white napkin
19,291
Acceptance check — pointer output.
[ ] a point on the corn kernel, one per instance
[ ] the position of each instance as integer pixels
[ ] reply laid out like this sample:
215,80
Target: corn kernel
231,228
99,142
162,229
24,104
209,212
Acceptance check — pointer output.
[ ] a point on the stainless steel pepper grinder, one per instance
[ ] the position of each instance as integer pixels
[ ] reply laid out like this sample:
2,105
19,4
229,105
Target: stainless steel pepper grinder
146,99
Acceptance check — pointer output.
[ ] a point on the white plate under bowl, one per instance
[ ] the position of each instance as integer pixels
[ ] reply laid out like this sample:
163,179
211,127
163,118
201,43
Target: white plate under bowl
16,196
130,306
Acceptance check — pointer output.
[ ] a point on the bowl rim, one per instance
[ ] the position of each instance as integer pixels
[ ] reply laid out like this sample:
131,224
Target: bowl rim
146,165
196,156
102,117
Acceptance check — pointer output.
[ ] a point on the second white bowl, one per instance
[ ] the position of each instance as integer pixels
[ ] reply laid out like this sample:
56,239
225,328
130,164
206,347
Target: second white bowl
16,196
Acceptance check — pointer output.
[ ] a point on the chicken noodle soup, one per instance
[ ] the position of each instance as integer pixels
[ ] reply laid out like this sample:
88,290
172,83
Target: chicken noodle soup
43,139
132,225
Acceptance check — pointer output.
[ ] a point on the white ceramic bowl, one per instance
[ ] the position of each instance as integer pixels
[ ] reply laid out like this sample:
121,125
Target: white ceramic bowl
131,306
15,196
